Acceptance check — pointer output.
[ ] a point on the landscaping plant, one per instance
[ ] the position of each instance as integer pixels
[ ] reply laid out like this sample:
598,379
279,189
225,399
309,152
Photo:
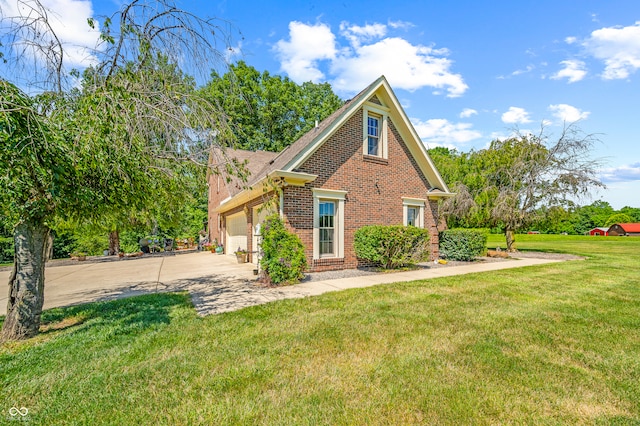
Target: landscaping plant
462,244
392,246
283,260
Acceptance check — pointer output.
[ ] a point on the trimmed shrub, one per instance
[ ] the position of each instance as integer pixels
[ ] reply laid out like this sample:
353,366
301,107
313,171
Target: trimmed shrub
462,244
283,260
392,246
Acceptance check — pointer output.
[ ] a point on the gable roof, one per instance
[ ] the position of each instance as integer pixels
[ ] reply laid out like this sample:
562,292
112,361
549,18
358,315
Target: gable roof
285,164
629,227
251,161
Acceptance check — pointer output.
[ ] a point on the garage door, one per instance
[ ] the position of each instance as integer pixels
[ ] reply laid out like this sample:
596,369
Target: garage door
236,233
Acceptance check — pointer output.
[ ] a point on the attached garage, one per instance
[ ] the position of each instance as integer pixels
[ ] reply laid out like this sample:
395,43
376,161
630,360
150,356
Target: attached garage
236,232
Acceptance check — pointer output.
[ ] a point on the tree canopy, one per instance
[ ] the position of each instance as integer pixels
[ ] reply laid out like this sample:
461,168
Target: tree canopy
511,181
268,112
126,138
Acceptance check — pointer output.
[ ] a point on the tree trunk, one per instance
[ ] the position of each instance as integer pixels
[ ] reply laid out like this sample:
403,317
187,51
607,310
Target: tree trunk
511,240
26,284
114,243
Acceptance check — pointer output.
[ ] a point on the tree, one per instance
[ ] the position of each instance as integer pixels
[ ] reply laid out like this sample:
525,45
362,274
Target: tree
268,112
136,129
514,178
618,218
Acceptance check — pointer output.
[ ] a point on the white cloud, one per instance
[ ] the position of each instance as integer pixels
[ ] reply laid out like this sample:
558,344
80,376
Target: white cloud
68,20
618,47
516,115
401,24
528,69
625,173
468,112
368,54
570,40
567,113
573,70
308,44
358,35
439,131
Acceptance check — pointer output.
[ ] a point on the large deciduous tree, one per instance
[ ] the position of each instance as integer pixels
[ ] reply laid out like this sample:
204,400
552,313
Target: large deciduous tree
268,112
513,178
122,135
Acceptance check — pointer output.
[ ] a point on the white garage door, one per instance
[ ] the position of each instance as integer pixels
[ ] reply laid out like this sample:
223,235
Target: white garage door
236,232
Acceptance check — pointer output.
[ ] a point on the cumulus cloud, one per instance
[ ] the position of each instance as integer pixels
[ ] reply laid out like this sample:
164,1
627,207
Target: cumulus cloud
368,53
567,113
625,173
442,132
307,45
68,19
619,49
468,112
574,70
358,35
516,115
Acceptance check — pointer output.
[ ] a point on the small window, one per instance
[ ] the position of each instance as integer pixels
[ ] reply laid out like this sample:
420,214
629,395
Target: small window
374,131
373,136
327,213
412,216
413,212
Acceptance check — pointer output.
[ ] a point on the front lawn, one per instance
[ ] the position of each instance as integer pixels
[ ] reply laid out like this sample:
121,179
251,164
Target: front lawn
552,344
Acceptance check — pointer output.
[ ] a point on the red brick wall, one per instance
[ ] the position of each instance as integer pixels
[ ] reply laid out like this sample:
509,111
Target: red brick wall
374,189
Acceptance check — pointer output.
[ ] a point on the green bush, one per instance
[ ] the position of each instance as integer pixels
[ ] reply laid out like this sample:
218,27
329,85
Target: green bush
6,250
462,244
392,246
283,260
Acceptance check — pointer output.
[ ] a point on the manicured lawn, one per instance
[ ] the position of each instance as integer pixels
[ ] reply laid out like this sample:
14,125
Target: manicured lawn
554,344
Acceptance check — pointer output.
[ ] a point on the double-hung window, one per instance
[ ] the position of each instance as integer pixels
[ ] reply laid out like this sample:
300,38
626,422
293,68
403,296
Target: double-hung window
373,135
328,223
326,226
375,122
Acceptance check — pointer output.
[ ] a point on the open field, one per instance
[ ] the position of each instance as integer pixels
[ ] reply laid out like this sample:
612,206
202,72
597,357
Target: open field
553,344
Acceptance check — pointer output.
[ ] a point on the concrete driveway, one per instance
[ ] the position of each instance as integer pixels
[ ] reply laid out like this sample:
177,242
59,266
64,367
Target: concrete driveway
216,283
83,282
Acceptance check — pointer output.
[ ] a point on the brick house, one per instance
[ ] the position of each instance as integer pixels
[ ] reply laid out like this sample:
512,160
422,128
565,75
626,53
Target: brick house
362,165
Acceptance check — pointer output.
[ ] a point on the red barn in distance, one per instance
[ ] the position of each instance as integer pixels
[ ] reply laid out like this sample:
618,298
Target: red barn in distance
599,231
625,229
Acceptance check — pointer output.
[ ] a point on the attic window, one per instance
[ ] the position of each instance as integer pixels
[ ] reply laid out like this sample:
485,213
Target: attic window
374,131
373,135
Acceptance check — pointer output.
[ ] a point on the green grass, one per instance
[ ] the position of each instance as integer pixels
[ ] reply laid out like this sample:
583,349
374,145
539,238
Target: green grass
552,344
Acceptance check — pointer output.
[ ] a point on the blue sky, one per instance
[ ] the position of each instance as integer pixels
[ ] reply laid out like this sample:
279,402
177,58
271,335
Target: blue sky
466,72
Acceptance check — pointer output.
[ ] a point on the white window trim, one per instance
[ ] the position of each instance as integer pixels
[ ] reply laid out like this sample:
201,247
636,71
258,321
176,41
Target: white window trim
338,197
383,114
413,202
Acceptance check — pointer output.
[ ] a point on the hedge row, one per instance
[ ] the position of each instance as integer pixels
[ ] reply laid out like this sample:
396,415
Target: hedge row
392,246
462,244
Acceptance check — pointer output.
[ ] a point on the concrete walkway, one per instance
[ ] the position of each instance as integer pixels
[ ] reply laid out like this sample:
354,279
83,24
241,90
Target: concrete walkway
216,283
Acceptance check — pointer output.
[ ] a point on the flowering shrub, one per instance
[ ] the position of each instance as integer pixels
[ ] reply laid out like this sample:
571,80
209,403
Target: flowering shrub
283,260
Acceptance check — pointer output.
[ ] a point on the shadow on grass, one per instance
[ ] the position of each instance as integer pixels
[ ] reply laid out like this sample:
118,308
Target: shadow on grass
122,316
